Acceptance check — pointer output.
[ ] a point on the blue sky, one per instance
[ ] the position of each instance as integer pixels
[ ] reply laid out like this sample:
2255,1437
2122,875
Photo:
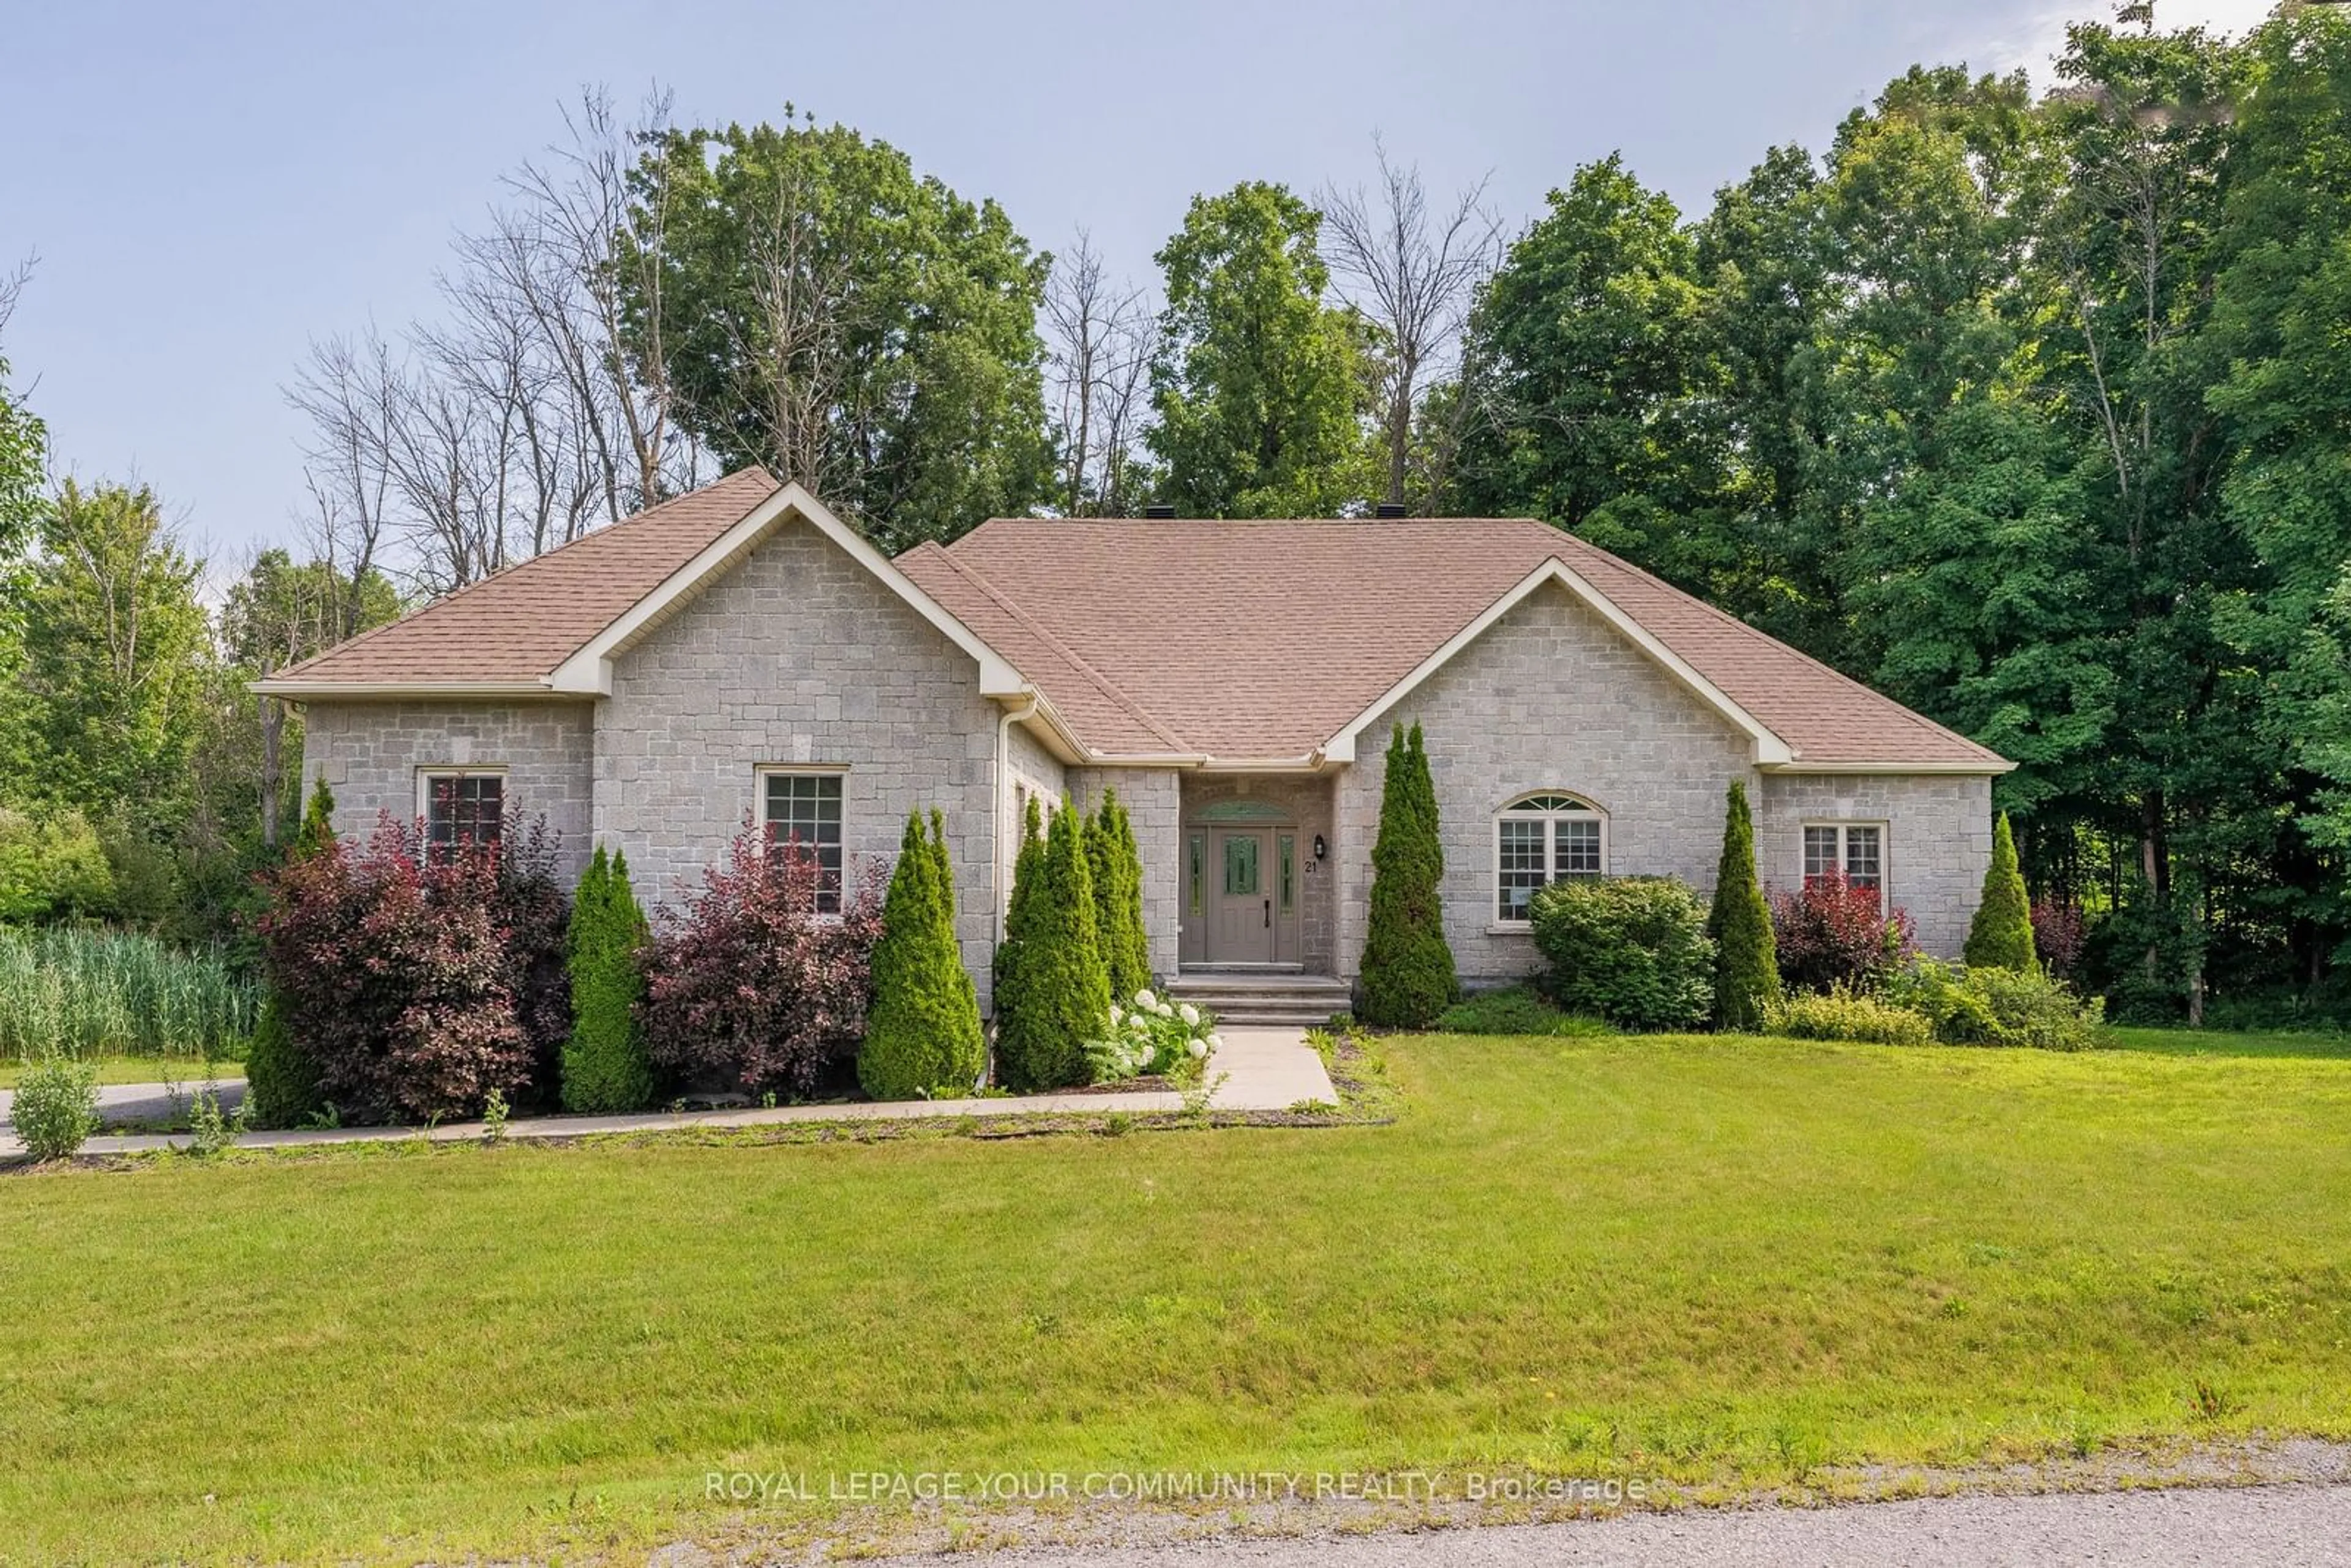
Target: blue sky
210,186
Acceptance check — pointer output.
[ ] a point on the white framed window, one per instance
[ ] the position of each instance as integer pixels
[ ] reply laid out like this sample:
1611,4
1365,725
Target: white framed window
802,806
1541,839
460,806
1854,851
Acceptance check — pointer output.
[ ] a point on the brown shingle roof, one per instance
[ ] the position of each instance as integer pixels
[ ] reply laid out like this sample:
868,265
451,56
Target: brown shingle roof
1263,639
515,626
1252,641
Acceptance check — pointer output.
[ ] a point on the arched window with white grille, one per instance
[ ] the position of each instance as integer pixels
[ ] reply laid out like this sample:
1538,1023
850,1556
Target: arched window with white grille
1544,838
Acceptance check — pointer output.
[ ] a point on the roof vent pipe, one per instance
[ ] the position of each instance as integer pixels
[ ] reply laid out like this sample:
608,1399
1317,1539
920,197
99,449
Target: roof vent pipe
1159,511
1390,510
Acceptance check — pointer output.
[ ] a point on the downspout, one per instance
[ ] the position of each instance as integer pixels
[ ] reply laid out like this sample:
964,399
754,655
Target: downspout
997,869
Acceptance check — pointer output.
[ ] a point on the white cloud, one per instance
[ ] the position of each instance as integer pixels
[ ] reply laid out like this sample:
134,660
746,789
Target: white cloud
2035,39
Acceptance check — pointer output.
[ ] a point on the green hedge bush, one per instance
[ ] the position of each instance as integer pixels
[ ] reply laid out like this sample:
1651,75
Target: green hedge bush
56,1105
1997,1005
1632,950
52,867
1846,1014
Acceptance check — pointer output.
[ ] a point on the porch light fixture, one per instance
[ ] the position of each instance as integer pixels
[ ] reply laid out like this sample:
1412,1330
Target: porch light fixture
1321,850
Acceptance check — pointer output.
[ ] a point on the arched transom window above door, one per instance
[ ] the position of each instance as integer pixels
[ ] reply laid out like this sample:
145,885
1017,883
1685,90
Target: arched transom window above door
1543,838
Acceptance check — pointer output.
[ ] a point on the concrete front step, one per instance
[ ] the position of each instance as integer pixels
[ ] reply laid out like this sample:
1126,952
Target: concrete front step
1267,998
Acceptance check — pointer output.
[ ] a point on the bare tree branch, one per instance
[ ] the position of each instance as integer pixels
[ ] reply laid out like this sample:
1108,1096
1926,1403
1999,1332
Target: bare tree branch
1101,336
1412,274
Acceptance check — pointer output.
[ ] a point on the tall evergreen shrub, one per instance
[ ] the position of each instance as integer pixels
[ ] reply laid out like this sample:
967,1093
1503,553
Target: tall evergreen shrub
1019,914
1747,966
923,1038
606,1071
2001,937
1407,970
281,1079
1061,989
1117,867
318,829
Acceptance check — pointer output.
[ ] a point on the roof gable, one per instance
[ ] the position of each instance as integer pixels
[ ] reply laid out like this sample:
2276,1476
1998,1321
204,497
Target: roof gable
510,629
1771,750
589,669
553,624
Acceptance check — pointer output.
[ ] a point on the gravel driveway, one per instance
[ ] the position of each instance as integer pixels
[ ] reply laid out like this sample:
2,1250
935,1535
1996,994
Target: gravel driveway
2221,1526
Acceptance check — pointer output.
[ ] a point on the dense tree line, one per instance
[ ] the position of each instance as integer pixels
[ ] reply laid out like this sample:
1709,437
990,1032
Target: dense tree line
2020,406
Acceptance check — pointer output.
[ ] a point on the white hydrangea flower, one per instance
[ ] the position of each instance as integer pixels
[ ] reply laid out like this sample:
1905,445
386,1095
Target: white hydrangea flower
1145,1000
1214,1042
1189,1014
1117,1015
1166,1011
1199,1049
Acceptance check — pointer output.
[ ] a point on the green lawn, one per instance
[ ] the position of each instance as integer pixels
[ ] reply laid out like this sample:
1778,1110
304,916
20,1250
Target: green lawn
2218,1042
1721,1260
141,1069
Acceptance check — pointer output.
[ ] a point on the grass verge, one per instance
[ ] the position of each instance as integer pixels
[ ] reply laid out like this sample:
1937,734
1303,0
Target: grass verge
182,1070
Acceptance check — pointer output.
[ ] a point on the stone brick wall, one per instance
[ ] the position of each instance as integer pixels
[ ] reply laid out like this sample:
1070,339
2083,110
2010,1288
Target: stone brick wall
799,657
371,753
1151,796
1937,839
1551,697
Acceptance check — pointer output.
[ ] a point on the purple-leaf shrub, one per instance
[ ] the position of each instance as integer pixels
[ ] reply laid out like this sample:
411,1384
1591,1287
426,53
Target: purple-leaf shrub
1830,933
749,987
401,975
2059,930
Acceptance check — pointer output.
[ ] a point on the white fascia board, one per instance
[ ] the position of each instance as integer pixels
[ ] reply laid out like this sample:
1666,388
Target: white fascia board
1770,751
588,672
1988,768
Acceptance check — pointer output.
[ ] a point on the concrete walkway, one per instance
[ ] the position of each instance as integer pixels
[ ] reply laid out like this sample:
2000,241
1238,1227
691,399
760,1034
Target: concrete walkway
1258,1069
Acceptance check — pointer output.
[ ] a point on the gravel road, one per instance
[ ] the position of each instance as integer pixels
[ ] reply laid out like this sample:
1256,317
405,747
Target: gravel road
2227,1527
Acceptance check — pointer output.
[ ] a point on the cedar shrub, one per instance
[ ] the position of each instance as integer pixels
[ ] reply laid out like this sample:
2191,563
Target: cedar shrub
318,829
2000,937
1019,918
1408,975
1747,966
1061,989
923,1038
1117,868
605,1069
281,1081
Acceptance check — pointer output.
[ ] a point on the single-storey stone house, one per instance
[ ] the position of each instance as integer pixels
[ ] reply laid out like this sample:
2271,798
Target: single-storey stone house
738,652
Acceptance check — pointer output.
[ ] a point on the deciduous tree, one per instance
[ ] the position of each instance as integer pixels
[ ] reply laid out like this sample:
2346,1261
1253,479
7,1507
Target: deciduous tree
1261,383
